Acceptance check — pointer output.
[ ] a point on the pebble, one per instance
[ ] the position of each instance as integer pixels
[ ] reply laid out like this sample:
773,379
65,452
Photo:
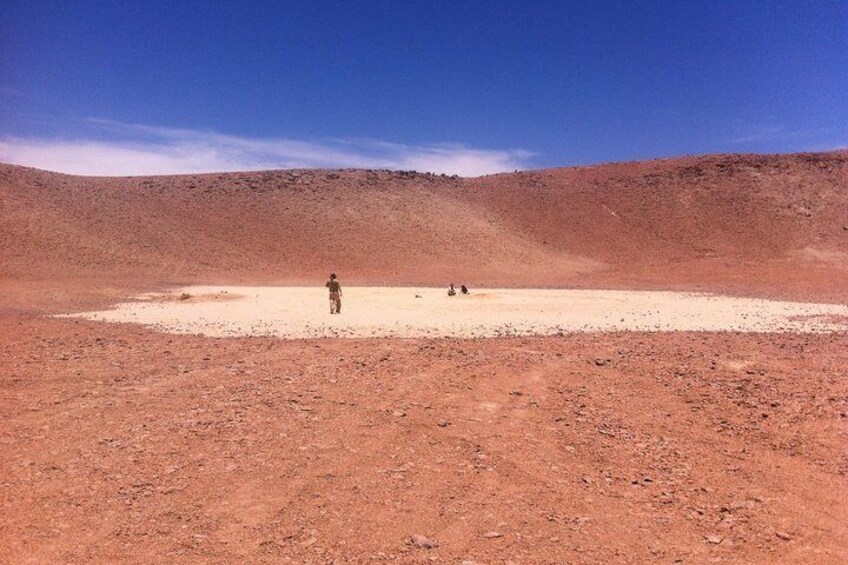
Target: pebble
715,539
493,535
422,542
442,423
783,535
735,505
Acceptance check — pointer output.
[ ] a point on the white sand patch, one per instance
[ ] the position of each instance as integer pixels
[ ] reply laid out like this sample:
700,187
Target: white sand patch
301,312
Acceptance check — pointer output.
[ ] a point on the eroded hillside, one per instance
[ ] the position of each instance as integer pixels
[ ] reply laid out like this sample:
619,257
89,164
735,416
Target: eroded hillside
769,224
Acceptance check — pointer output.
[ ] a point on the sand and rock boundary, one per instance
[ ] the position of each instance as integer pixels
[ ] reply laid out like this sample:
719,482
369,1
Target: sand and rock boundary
303,312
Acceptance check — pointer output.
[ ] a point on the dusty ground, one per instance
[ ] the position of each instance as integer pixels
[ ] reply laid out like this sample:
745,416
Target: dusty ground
123,444
302,312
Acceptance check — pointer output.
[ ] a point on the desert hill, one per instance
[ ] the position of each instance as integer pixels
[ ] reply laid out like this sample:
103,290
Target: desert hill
583,447
766,224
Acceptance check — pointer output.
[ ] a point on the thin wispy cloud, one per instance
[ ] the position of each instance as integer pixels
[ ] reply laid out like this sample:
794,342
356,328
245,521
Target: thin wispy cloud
759,134
835,145
752,133
120,149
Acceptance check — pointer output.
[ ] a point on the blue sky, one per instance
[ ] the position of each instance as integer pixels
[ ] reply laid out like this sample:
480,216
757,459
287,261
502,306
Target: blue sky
456,87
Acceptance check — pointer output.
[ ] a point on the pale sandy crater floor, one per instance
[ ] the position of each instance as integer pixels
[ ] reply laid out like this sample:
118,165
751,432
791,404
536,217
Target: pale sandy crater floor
303,312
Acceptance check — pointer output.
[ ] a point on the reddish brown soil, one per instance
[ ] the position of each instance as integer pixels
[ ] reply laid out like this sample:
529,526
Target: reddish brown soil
769,224
119,444
123,445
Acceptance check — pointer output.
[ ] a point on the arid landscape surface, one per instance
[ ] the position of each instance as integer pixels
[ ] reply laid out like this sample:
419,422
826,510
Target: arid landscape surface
292,312
124,444
774,225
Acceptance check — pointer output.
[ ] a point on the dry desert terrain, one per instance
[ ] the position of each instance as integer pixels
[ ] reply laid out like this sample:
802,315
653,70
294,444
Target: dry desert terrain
718,437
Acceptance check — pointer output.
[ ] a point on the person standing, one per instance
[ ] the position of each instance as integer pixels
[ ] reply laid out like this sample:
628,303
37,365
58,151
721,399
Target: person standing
335,294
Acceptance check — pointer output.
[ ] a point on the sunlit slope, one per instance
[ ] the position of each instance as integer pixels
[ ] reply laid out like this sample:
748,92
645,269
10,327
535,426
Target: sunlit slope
717,215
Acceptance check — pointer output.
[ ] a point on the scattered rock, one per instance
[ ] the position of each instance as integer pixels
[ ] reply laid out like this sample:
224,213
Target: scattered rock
728,523
601,362
398,413
493,535
422,542
714,539
735,505
442,423
803,211
783,535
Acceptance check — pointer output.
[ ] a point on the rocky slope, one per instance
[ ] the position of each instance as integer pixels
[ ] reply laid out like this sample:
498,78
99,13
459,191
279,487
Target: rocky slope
769,224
